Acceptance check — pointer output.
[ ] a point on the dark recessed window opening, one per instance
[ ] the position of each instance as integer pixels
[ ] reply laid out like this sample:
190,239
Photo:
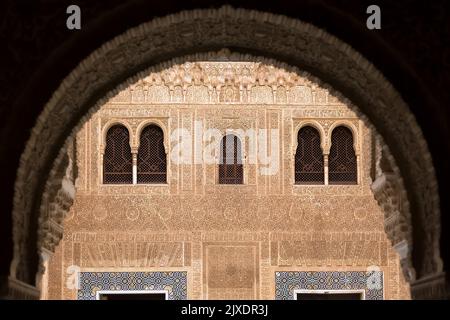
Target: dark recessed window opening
309,167
342,165
151,158
330,296
117,159
132,296
231,169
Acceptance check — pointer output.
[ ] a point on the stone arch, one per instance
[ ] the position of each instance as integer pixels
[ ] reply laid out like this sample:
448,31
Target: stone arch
352,128
311,123
240,145
147,123
308,48
240,134
109,125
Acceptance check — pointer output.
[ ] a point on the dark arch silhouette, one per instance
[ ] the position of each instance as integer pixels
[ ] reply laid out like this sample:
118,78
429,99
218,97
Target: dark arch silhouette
411,71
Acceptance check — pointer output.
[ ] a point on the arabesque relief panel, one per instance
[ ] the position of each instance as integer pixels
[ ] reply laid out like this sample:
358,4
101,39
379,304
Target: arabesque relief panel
230,239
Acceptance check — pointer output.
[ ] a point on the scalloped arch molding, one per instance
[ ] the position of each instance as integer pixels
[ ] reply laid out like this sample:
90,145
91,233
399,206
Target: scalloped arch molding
189,35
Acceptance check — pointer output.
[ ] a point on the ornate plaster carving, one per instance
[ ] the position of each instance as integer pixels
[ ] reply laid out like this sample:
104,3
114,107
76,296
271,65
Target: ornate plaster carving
390,193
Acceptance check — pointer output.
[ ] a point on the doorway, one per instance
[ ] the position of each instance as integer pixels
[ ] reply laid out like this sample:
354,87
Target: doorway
329,295
131,295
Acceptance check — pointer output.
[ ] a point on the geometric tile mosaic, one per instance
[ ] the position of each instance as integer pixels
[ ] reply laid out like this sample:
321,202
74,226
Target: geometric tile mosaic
175,283
371,282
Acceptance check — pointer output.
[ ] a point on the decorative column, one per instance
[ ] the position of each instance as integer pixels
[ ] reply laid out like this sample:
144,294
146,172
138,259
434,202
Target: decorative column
100,169
358,168
313,93
274,93
171,93
218,89
134,154
43,281
210,93
184,93
325,168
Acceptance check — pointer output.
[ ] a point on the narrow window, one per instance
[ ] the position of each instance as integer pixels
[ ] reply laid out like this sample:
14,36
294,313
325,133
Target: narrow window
230,166
342,166
151,158
308,157
117,159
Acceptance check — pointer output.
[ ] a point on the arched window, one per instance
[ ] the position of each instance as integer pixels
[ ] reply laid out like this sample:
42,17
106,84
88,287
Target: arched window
342,166
230,166
151,158
308,157
117,159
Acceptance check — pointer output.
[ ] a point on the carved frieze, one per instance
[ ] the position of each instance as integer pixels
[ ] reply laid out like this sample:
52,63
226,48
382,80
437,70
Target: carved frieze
231,82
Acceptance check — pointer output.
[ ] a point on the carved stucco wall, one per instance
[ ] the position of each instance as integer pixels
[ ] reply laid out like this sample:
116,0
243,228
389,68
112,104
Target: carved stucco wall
230,239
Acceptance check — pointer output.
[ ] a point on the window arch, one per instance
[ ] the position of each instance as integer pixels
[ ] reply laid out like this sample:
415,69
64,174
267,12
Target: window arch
151,158
117,159
231,169
342,165
309,167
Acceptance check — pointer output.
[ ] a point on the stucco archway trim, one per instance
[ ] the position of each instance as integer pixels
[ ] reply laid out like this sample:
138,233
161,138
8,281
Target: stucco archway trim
316,125
353,129
147,123
109,125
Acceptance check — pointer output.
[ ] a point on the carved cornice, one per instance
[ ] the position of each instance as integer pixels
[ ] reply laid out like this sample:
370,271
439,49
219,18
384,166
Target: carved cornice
225,82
